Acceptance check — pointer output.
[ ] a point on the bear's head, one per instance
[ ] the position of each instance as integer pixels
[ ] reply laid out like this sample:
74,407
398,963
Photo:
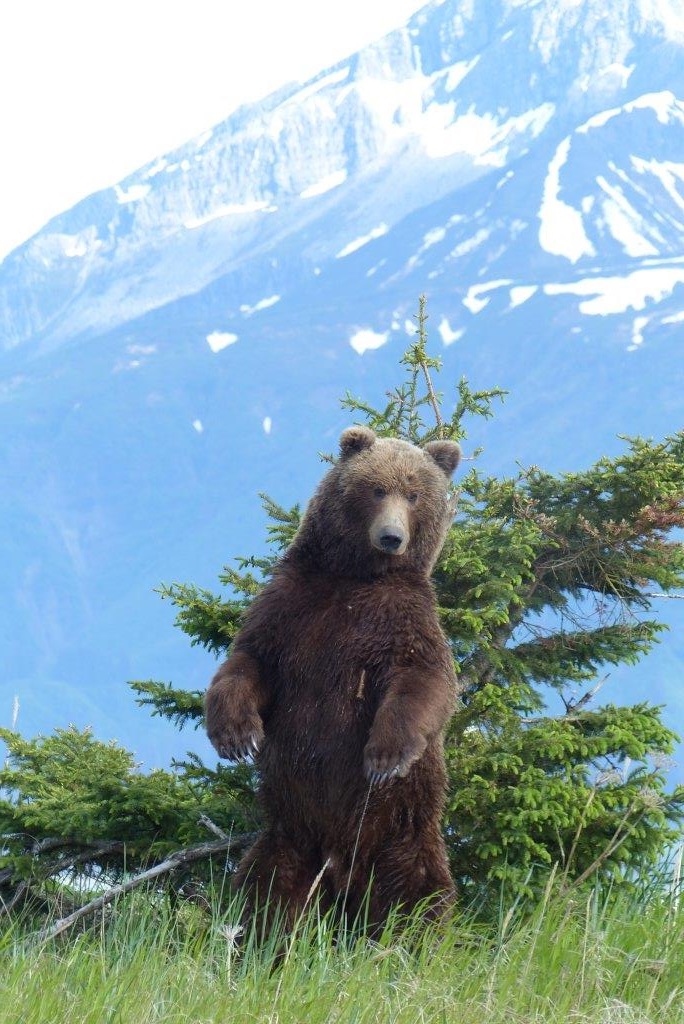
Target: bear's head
383,507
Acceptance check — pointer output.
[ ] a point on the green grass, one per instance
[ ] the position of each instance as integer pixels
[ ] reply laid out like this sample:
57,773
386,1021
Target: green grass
572,960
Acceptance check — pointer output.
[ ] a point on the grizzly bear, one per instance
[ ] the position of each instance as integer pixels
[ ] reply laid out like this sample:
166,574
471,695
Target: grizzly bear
340,683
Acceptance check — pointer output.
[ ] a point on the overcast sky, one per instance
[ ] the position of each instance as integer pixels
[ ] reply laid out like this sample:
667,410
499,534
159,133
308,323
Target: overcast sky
92,89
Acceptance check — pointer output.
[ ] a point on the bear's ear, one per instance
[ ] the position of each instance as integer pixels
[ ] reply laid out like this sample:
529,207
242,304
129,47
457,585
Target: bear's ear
355,439
447,455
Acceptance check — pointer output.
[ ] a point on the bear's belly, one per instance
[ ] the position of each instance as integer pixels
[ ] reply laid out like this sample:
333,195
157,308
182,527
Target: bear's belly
328,682
331,662
319,724
311,761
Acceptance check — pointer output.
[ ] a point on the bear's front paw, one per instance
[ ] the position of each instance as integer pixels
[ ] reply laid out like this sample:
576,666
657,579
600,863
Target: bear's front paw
384,760
237,740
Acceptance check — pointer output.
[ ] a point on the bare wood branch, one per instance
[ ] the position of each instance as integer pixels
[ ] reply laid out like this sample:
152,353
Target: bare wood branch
433,398
49,843
81,854
422,334
615,843
571,710
205,820
175,860
588,696
670,597
16,897
79,857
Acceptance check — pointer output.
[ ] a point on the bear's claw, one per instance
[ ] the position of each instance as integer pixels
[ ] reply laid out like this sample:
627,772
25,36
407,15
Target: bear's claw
384,761
235,752
380,779
237,742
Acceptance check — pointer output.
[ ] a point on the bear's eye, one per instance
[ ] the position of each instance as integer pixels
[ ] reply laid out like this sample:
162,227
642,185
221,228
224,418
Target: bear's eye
380,492
413,497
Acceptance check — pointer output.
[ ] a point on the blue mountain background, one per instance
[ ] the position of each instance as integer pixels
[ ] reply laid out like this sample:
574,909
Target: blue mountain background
174,345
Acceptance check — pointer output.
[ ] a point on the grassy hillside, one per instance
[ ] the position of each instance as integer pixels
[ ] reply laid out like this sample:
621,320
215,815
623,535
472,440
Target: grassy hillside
580,958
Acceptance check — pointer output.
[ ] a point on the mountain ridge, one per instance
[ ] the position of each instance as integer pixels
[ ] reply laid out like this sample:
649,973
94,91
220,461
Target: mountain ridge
246,183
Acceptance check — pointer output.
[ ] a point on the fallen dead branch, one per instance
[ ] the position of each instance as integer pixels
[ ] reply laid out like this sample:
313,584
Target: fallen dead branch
230,844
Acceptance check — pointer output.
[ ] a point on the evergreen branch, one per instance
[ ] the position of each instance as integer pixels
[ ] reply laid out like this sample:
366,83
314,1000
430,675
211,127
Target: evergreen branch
179,706
205,617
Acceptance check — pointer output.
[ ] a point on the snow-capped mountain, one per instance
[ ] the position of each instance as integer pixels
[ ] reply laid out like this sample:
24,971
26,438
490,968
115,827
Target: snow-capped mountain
462,91
173,345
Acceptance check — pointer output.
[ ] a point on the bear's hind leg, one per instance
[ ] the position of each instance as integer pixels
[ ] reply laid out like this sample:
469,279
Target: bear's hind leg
410,871
405,871
277,877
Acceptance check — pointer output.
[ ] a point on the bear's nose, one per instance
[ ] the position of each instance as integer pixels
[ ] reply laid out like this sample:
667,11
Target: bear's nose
390,540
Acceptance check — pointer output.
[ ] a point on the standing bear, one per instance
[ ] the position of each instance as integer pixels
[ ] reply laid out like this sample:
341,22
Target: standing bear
340,682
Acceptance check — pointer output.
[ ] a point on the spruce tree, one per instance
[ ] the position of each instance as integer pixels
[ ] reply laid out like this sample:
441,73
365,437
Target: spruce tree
545,581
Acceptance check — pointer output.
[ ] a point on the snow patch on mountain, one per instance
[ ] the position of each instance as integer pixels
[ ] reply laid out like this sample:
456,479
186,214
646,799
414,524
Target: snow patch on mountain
480,136
358,243
521,293
471,243
310,89
365,339
156,168
230,210
127,364
219,340
433,236
132,194
447,334
669,14
326,184
670,175
665,105
624,222
623,72
474,300
202,139
612,295
561,231
638,326
258,306
141,350
598,120
457,72
80,245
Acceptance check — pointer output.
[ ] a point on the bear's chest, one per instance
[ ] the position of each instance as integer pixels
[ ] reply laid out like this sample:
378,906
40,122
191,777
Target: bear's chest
342,636
333,647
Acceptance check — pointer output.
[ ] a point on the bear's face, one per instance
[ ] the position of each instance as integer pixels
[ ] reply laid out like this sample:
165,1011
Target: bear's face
384,507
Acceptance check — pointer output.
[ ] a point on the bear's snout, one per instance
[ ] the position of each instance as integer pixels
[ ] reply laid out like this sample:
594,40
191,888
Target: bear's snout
391,540
390,529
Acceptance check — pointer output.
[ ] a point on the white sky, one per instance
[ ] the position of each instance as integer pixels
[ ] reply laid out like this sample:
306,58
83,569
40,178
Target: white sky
92,89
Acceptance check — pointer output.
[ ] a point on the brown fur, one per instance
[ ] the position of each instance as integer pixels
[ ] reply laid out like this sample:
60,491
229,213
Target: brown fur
343,679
